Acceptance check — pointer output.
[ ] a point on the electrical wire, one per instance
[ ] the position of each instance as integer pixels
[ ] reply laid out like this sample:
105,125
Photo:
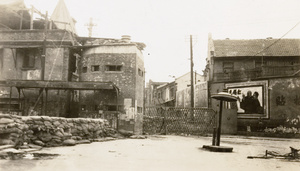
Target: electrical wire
277,39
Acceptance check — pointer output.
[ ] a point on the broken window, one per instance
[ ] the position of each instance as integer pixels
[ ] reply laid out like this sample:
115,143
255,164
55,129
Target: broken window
140,72
95,68
29,56
113,68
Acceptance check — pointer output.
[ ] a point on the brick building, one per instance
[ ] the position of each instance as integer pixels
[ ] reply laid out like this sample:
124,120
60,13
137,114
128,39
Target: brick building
121,62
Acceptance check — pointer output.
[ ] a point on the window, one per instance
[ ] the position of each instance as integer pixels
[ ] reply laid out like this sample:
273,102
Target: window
28,61
140,72
95,68
227,67
29,56
84,69
111,107
172,93
113,68
139,110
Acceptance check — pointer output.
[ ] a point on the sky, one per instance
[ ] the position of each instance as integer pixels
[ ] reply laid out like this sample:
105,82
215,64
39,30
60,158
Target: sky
165,26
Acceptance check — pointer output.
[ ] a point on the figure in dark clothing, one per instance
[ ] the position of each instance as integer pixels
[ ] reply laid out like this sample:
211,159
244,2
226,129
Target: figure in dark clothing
247,103
251,104
256,104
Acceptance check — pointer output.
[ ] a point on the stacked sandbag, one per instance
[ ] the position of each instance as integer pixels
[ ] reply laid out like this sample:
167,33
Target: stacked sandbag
88,128
12,130
51,131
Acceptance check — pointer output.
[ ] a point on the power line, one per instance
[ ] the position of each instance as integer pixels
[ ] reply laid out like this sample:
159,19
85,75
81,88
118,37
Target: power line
277,39
274,42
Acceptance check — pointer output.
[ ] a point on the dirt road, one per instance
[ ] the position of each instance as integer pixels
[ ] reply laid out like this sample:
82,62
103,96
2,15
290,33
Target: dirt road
174,153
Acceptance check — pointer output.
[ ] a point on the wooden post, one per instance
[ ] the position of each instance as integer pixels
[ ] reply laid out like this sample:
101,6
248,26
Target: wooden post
10,94
31,18
46,102
21,20
44,48
19,97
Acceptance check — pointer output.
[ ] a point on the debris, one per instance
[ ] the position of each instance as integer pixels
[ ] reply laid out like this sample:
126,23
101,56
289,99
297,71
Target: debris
273,154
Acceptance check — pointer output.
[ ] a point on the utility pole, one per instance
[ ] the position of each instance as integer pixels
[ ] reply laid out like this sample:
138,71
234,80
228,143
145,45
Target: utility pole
90,26
192,72
192,79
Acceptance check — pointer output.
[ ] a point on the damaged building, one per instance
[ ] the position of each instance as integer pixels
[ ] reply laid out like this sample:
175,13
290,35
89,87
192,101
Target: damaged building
47,69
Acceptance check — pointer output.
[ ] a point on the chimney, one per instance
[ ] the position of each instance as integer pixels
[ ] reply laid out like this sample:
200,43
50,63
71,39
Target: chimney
126,38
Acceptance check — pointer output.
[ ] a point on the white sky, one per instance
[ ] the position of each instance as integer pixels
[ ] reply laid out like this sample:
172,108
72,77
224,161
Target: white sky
165,25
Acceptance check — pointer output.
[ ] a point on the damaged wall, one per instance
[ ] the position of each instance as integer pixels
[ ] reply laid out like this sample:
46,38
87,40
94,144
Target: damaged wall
124,66
13,66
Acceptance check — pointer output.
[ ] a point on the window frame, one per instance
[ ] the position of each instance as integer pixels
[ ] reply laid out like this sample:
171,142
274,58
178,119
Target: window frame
117,68
93,68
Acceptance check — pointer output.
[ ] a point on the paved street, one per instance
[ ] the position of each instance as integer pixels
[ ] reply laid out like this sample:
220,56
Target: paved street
174,153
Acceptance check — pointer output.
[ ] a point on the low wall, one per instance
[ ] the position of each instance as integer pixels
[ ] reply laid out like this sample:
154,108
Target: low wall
50,131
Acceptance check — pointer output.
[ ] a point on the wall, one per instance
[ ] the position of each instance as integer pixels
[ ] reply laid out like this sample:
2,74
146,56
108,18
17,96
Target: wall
50,131
201,94
185,80
125,79
283,105
24,36
183,97
56,68
128,80
57,64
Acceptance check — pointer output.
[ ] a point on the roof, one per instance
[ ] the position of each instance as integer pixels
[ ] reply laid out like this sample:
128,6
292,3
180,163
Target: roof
257,47
189,73
94,41
62,18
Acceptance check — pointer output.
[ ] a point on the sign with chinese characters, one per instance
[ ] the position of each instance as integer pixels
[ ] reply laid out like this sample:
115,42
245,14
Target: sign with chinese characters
252,98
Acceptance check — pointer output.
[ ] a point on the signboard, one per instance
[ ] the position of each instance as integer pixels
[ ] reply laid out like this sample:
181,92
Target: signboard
252,98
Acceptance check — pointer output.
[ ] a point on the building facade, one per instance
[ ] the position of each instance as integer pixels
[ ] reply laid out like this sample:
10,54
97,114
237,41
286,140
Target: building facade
266,70
121,62
151,96
178,92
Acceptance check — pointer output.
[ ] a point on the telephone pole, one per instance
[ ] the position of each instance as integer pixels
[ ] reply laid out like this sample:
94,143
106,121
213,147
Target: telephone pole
192,79
192,73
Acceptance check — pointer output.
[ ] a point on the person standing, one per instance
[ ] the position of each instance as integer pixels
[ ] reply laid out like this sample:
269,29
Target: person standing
247,103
